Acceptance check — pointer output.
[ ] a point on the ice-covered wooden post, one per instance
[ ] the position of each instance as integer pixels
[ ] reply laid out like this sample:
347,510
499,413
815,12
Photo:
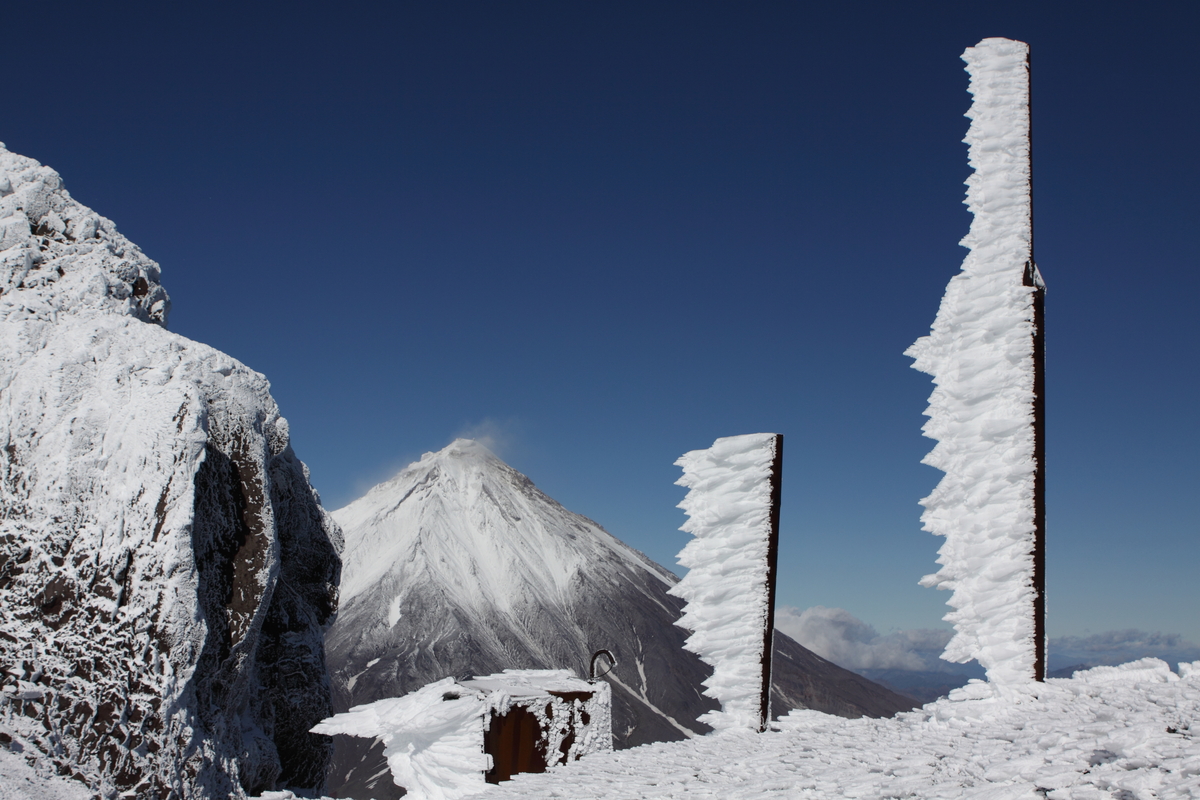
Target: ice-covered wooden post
733,515
987,412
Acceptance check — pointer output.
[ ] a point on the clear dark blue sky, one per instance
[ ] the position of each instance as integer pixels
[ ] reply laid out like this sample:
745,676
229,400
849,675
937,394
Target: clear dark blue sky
608,233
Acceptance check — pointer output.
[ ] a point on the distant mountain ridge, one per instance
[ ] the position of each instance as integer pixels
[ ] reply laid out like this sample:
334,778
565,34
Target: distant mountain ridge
459,565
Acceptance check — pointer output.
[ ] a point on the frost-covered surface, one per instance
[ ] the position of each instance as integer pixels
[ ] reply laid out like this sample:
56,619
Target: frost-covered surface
20,781
1111,732
433,737
980,354
459,565
574,726
151,509
729,516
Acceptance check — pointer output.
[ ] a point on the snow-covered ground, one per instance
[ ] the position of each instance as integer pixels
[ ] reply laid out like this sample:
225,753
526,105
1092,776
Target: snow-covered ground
20,781
1111,732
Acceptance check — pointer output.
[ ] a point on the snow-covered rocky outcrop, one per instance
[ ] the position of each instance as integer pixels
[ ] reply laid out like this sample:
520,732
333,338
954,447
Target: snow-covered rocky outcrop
460,566
728,589
166,570
981,355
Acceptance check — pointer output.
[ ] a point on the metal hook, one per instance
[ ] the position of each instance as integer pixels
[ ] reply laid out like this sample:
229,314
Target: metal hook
612,660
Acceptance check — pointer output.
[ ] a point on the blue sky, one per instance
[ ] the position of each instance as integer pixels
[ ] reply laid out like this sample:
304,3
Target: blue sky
602,235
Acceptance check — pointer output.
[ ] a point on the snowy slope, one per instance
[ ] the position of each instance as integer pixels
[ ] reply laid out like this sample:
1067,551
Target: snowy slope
460,566
499,556
980,354
20,781
1112,732
150,509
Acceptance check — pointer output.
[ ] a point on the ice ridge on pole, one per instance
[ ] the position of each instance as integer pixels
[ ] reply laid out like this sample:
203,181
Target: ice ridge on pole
984,355
730,561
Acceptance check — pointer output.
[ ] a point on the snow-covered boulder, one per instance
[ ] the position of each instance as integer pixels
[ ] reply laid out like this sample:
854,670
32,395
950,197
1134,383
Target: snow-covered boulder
166,570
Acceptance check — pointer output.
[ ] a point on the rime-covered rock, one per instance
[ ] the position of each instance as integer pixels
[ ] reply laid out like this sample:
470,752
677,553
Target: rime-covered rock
460,566
166,570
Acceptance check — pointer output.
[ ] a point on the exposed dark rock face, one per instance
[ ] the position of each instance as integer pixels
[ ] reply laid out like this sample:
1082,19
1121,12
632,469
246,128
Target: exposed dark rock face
268,571
166,570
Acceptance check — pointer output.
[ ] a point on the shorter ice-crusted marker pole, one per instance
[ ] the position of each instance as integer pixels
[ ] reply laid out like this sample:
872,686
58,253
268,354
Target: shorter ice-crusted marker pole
733,515
985,353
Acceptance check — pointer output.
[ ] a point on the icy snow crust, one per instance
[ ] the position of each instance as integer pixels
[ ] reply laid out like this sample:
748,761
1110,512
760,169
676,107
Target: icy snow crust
433,745
980,354
1120,732
729,516
150,505
433,737
19,781
1109,732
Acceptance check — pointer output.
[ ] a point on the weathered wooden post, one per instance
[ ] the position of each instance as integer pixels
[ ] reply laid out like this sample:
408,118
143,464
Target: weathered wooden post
772,565
1034,280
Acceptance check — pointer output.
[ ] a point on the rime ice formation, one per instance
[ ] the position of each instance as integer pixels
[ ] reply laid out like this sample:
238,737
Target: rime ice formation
460,566
729,516
433,738
981,356
165,568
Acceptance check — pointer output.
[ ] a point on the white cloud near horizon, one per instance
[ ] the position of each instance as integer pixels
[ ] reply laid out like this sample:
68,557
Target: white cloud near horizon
838,636
1119,647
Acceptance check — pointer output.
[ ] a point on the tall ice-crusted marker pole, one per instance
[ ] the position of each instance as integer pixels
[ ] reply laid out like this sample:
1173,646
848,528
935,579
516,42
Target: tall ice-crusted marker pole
733,516
772,569
986,353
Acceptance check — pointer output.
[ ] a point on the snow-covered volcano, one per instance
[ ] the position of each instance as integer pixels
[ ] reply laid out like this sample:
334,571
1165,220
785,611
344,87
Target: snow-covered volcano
459,566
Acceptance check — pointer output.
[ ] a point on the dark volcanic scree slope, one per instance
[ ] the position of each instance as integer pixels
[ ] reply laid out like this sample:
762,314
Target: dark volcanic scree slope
460,566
